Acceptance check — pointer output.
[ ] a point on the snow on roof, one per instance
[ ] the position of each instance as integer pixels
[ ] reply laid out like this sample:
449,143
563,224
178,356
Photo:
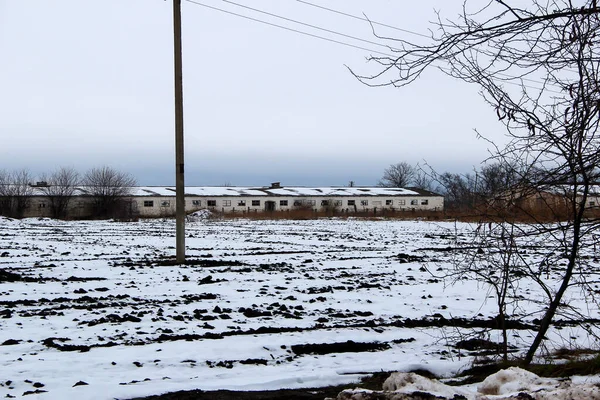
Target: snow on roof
267,191
40,191
296,191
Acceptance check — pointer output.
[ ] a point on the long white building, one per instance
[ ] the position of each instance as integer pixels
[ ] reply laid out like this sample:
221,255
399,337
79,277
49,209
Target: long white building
159,201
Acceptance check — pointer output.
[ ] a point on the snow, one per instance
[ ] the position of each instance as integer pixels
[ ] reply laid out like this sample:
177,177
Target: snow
199,215
514,380
295,191
328,281
505,384
402,382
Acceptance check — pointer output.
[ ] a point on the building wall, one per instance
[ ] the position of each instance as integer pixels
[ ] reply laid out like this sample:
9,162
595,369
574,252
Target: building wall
79,207
156,206
164,206
38,207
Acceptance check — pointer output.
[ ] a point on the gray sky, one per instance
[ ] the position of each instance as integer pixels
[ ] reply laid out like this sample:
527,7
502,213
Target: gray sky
87,83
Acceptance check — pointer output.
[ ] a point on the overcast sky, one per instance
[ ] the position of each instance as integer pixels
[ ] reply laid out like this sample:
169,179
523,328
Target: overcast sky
87,83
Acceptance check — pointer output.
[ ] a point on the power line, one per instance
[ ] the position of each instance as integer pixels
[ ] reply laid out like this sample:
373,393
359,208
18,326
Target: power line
338,33
406,31
307,24
288,28
363,19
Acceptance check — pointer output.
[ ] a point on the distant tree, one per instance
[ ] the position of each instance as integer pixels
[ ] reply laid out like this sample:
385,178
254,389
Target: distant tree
60,188
400,175
458,190
107,187
495,178
15,192
22,191
5,198
422,180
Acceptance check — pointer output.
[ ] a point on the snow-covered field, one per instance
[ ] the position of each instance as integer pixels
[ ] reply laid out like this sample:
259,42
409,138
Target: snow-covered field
94,310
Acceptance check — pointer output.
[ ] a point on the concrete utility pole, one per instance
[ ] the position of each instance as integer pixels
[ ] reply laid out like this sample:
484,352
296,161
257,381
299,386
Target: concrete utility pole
179,171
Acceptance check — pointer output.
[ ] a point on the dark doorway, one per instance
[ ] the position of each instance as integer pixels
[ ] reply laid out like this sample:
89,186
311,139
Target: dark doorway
269,206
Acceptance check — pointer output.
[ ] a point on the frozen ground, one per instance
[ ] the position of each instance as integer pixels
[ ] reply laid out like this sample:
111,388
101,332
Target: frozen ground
93,310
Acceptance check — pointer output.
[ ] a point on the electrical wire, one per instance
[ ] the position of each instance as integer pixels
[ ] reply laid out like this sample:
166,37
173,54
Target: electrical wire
363,19
195,2
288,28
307,24
403,30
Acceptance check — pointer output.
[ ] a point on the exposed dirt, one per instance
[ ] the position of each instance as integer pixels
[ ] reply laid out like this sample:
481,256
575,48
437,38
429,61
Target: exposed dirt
111,288
282,394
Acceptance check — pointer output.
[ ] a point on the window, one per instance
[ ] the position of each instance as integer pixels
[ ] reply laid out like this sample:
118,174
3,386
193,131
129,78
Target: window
148,203
414,202
402,202
197,203
165,203
242,203
389,202
337,203
592,203
364,202
226,203
424,202
283,203
42,205
297,203
211,203
311,202
351,202
324,203
255,203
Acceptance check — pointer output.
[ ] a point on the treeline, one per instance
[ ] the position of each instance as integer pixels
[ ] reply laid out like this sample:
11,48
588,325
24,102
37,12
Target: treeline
495,187
492,182
104,186
460,190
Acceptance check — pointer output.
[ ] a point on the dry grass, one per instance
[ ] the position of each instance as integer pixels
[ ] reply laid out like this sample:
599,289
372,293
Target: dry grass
478,214
307,214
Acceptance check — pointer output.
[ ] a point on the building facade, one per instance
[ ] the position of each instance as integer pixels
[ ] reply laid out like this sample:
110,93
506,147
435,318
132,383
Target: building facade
155,201
158,201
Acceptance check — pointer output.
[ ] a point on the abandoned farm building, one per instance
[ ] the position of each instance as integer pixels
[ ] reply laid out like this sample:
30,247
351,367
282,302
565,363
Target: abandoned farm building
158,201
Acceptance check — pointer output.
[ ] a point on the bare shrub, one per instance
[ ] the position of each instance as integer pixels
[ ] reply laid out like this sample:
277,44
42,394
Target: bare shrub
59,189
15,192
537,67
107,186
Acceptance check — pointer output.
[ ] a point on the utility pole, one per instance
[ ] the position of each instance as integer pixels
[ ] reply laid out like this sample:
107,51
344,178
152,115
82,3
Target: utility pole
179,170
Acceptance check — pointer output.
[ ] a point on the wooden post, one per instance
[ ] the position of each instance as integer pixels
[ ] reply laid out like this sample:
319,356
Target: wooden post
179,170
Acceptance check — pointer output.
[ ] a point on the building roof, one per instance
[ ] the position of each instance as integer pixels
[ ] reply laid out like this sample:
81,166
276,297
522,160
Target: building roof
237,191
295,191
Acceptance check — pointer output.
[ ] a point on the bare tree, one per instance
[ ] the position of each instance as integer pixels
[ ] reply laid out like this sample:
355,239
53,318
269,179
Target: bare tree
480,258
59,189
15,192
5,198
107,187
458,190
422,180
21,191
538,67
494,179
398,175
